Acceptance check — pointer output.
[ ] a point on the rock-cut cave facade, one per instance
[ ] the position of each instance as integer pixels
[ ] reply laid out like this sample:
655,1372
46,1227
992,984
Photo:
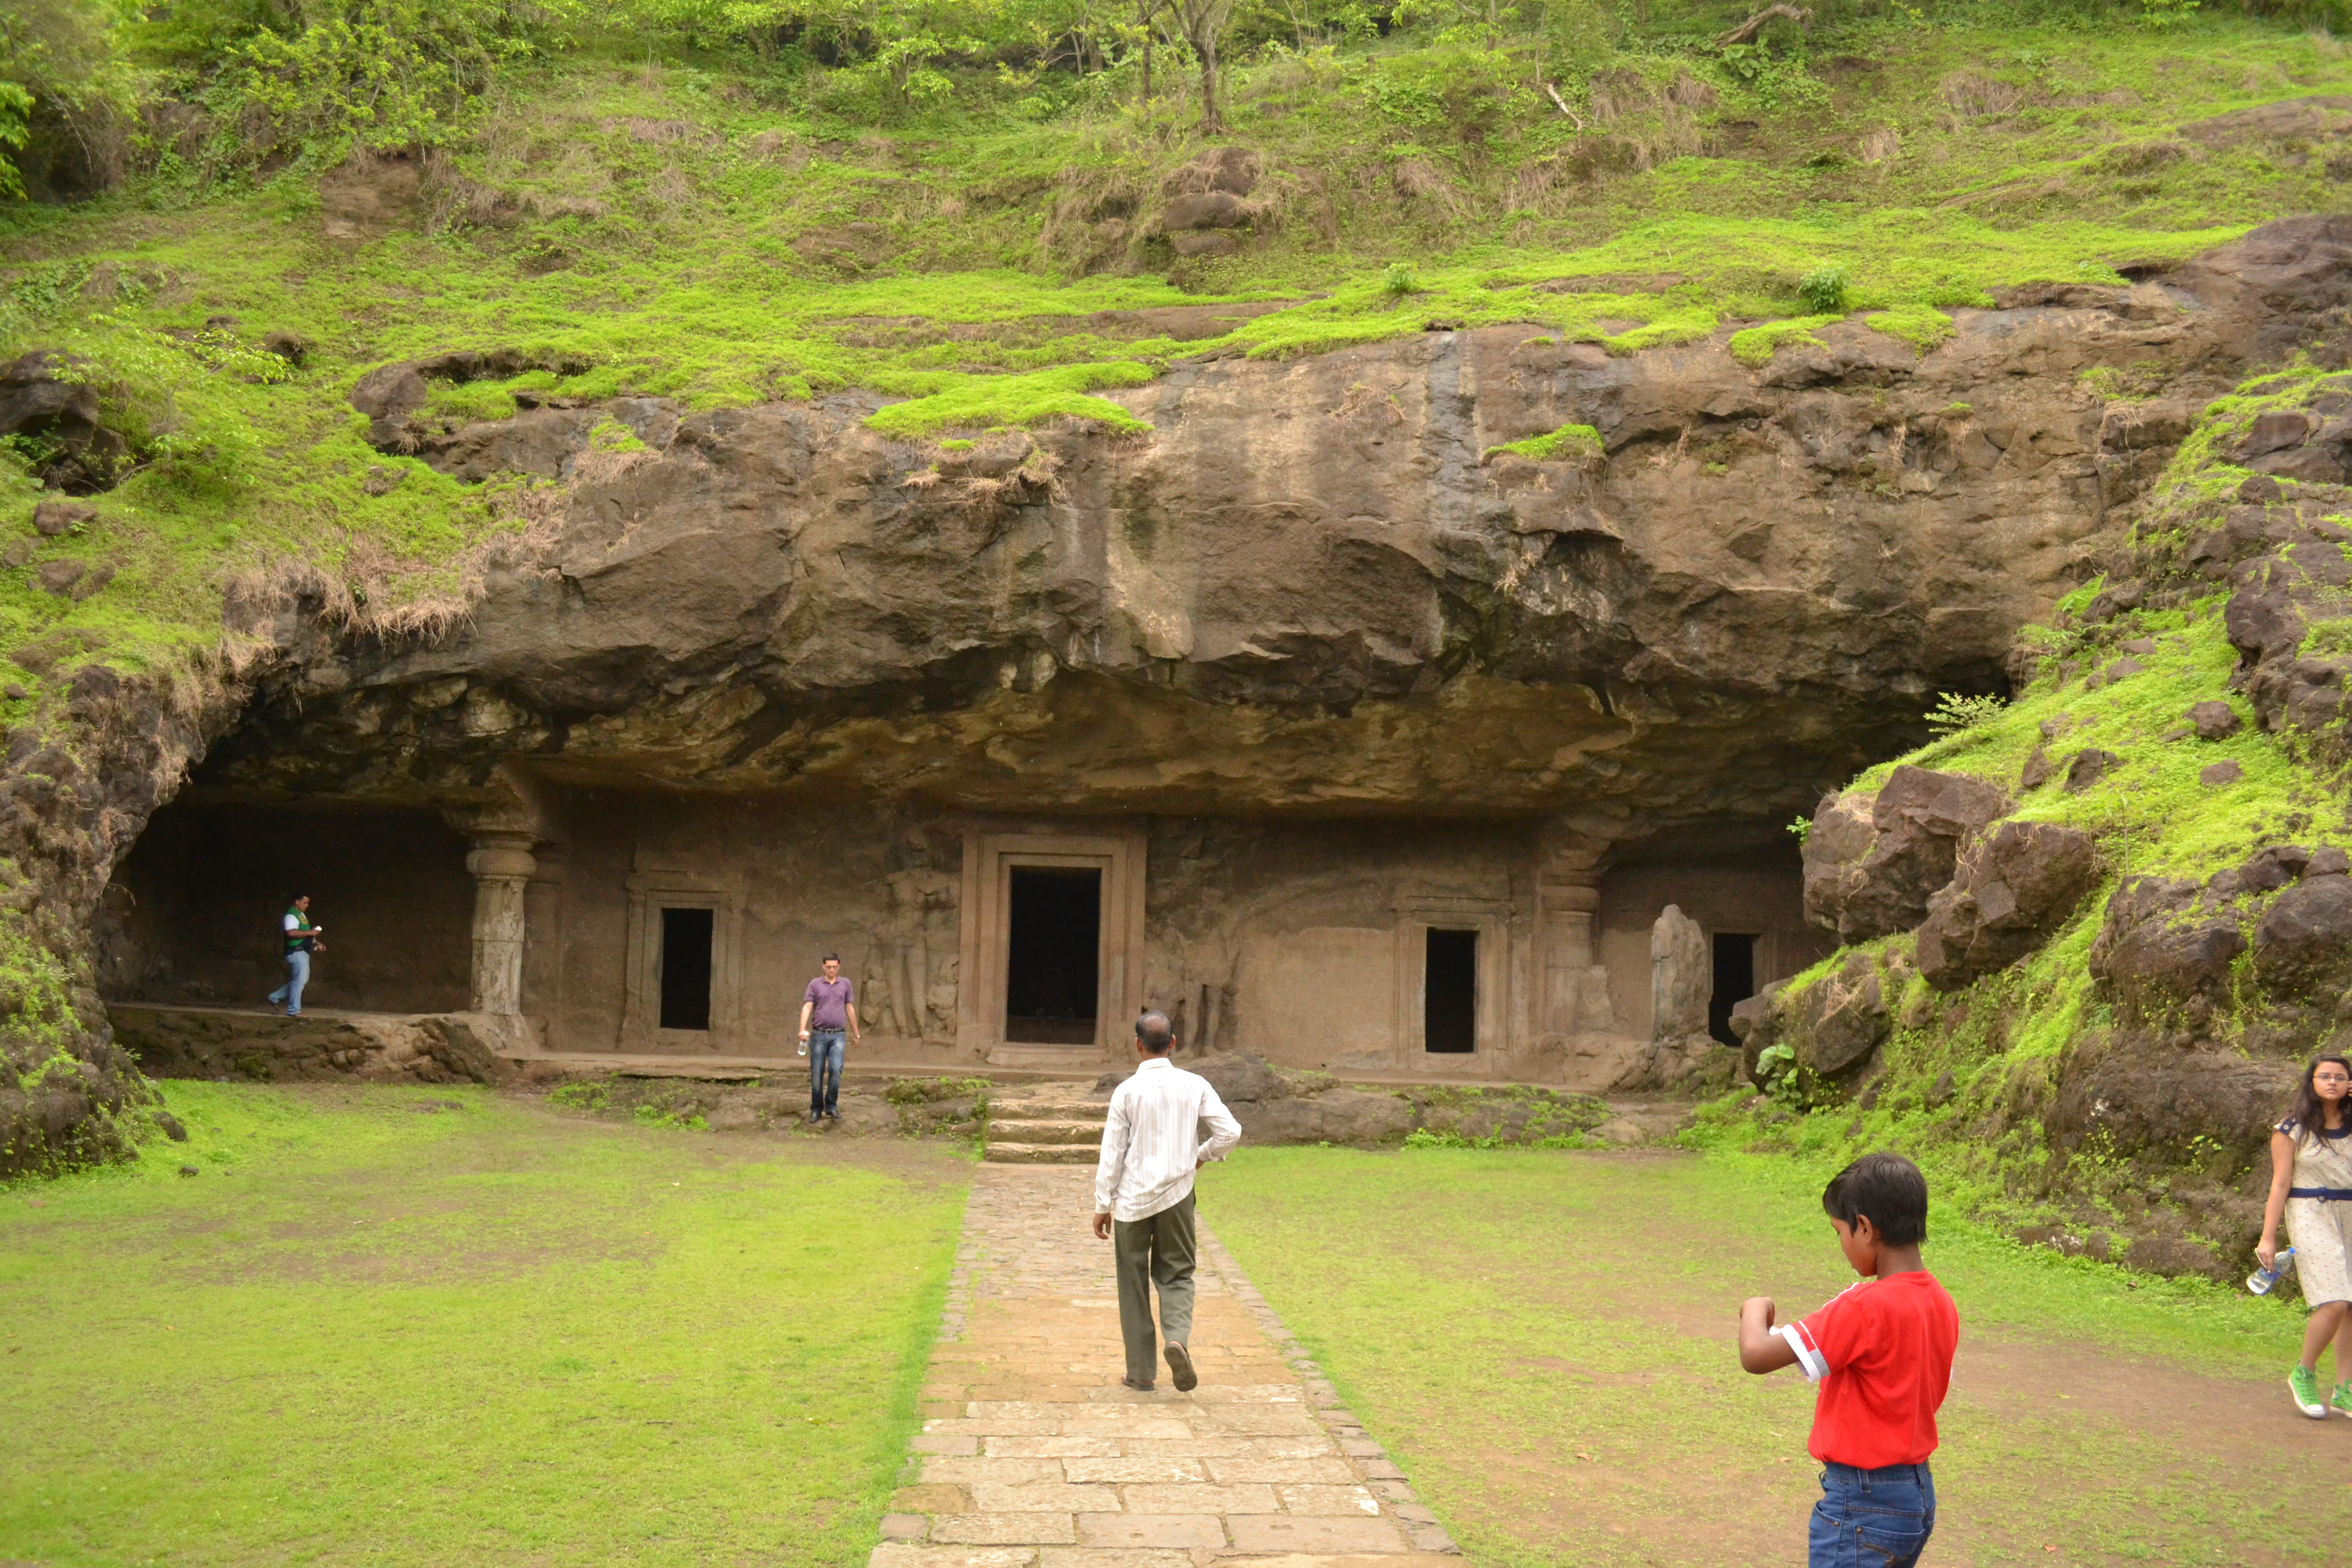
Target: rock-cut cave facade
1310,717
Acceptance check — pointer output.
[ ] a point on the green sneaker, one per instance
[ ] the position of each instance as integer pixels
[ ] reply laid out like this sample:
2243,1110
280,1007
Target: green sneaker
2304,1383
2343,1399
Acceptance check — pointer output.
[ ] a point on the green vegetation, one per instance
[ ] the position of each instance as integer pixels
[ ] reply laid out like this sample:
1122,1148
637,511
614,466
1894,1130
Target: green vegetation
438,1327
1757,344
1567,442
729,220
1966,1079
1544,1343
963,209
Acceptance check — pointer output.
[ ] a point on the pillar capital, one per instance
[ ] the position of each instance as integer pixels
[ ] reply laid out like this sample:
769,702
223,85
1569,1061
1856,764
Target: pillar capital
501,854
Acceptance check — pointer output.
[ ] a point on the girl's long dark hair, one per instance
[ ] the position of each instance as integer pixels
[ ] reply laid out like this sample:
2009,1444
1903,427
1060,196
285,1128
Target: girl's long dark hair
2310,1114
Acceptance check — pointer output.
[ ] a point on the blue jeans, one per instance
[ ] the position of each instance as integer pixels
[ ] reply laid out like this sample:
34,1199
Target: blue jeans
824,1071
297,975
1872,1518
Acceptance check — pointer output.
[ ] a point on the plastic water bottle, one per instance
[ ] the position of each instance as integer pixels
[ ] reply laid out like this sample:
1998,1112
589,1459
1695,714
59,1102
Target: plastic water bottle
2263,1281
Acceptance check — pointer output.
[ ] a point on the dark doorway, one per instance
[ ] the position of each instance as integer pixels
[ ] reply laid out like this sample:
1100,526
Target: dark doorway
685,969
1735,982
1449,993
1053,958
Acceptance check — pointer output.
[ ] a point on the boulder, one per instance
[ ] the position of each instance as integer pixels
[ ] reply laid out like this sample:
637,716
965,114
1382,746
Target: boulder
2159,948
2214,720
2303,944
1758,1021
1239,1076
2011,892
1209,209
1358,1117
2195,1105
43,400
2090,766
1229,170
1681,976
1845,1019
58,577
52,519
1865,887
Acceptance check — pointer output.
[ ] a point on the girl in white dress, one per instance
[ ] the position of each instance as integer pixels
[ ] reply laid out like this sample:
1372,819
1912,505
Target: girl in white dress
2311,1185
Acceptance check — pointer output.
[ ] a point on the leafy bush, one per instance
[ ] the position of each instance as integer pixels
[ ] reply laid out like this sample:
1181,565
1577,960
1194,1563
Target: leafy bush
581,1096
1954,712
1823,289
1400,277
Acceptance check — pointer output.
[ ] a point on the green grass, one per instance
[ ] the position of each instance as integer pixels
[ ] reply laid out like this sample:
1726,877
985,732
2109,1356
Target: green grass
440,1326
1544,1341
1570,441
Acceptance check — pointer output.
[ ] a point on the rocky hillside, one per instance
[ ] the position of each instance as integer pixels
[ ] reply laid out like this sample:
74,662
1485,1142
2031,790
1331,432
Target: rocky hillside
318,447
2092,935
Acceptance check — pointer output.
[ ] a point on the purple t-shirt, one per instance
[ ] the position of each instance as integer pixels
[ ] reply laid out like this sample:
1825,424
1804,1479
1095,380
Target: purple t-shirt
830,1002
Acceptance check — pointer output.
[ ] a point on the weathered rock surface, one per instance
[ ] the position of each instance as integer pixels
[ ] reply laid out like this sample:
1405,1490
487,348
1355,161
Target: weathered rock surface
2167,950
1834,1025
62,419
1681,972
1871,862
1278,599
1304,593
2302,946
267,1048
2012,889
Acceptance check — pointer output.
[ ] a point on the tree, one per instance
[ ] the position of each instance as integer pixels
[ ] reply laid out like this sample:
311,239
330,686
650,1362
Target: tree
1204,24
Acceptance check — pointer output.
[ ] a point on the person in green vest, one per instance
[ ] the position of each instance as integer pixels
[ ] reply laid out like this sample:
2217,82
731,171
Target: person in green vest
302,941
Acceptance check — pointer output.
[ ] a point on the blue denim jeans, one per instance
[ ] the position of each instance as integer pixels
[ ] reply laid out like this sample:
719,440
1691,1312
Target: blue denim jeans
824,1071
297,975
1872,1518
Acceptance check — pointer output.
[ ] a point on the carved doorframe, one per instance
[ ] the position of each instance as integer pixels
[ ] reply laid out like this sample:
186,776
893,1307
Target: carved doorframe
986,924
1417,914
661,882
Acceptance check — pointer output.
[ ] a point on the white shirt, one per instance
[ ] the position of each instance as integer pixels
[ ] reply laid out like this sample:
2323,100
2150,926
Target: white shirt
1152,1139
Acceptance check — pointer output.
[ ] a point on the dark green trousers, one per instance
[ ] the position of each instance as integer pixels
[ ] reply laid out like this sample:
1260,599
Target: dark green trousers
1154,1251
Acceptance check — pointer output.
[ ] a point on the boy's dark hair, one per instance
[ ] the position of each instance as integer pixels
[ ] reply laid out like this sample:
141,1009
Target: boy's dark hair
830,958
1889,1189
1156,1033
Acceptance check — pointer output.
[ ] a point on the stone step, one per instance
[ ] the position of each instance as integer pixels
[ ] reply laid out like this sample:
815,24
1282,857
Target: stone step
1000,1130
1039,1153
1005,1113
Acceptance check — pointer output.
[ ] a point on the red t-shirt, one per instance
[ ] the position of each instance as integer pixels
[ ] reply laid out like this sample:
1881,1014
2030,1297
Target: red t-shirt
1882,1354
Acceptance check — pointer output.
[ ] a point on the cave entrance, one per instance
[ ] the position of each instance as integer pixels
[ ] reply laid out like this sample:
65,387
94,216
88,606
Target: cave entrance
1449,993
1052,968
191,916
686,939
1735,982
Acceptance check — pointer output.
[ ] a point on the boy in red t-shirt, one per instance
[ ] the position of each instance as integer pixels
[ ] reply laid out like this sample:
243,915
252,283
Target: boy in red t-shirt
1881,1352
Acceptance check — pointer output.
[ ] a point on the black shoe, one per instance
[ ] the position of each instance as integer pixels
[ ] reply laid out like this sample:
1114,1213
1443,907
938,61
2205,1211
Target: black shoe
833,1116
1138,1387
1180,1362
813,1118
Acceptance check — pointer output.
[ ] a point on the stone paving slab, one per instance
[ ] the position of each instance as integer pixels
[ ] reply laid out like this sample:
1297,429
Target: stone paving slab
1033,1456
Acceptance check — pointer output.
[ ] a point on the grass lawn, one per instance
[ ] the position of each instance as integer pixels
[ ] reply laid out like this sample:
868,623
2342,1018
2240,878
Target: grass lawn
1546,1342
392,1326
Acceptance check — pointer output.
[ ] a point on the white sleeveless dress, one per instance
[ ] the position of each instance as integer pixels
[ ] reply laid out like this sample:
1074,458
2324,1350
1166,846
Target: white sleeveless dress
2321,1229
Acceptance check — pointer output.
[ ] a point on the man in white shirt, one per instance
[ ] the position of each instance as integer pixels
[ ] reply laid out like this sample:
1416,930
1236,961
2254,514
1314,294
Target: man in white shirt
1143,1196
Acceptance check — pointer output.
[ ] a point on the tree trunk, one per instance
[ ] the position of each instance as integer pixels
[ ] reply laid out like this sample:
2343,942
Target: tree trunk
1747,31
1210,121
1143,9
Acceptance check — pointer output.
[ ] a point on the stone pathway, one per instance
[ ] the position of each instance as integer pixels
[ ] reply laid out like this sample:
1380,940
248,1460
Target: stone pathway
1033,1456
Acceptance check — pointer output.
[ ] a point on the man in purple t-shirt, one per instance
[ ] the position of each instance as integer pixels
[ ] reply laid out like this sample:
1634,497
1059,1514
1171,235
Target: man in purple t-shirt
828,1010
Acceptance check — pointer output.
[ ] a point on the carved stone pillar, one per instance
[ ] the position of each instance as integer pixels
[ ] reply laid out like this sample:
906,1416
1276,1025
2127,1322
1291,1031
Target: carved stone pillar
1567,910
502,867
